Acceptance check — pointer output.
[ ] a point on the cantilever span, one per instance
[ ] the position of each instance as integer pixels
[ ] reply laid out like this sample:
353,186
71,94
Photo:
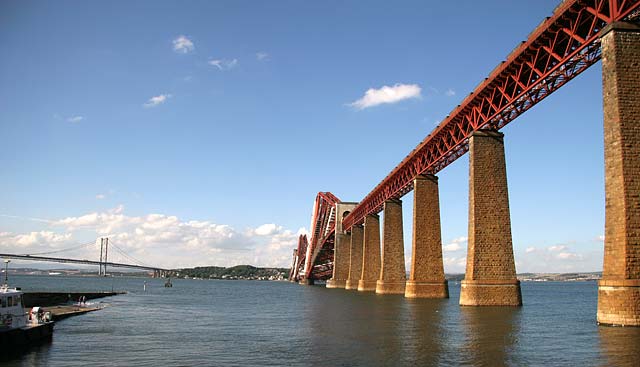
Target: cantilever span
560,48
316,256
577,35
314,259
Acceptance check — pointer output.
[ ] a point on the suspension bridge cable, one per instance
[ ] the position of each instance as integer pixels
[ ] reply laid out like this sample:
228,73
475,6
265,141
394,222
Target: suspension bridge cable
62,250
121,251
130,258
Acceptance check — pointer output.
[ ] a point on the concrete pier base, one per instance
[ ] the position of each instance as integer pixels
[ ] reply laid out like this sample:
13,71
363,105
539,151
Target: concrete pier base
392,274
336,283
619,289
619,302
487,293
352,284
426,290
390,287
306,282
367,285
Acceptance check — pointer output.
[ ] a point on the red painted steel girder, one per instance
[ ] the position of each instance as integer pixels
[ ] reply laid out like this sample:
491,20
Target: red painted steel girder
560,48
322,229
322,263
301,252
321,273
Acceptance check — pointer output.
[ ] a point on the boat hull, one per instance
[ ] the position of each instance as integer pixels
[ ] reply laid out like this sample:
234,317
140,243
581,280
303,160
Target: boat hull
14,341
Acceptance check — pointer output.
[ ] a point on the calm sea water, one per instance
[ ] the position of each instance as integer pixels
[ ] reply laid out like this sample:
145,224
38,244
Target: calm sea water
244,323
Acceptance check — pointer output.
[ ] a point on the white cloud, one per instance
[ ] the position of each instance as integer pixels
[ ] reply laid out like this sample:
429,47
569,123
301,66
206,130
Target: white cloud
33,242
568,256
450,92
262,56
42,237
560,258
101,196
451,247
224,64
455,264
455,255
387,94
183,45
600,238
75,119
455,244
157,100
161,240
557,248
267,229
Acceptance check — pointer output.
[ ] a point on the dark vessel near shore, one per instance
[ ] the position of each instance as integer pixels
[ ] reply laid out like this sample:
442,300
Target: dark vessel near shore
20,329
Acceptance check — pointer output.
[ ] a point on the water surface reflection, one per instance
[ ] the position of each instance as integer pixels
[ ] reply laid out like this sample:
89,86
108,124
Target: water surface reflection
426,332
491,335
620,346
361,328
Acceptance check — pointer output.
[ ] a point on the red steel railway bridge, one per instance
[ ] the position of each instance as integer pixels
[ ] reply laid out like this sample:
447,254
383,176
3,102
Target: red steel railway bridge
345,247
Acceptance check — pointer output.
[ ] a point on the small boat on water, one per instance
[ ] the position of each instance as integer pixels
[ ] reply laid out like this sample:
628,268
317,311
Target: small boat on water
168,284
19,328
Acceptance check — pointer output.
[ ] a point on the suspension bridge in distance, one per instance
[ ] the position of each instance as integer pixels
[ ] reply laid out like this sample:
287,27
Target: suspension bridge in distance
102,263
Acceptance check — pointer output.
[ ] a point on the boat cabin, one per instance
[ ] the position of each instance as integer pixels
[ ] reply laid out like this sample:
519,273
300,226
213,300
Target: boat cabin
12,313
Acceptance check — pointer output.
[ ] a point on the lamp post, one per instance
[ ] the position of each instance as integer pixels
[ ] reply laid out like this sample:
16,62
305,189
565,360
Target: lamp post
6,272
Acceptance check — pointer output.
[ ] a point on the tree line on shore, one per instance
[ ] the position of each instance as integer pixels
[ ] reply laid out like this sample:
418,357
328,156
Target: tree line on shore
234,272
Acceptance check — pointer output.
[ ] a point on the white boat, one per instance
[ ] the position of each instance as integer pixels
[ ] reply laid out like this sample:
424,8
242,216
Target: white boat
20,328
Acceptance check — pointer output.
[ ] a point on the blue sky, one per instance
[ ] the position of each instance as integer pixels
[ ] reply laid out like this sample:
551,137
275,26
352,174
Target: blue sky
199,132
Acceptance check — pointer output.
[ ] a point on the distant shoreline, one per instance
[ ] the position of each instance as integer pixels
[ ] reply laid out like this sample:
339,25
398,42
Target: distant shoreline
545,277
248,272
238,272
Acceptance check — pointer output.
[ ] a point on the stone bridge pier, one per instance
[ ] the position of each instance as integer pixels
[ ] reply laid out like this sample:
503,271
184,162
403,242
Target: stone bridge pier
426,279
355,260
370,254
619,289
341,248
392,273
490,277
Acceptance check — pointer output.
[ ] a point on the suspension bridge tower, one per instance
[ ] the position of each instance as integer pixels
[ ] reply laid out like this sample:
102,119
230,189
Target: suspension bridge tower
104,250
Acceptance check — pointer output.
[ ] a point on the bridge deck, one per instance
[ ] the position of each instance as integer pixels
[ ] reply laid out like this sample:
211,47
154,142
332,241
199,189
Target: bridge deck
76,261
